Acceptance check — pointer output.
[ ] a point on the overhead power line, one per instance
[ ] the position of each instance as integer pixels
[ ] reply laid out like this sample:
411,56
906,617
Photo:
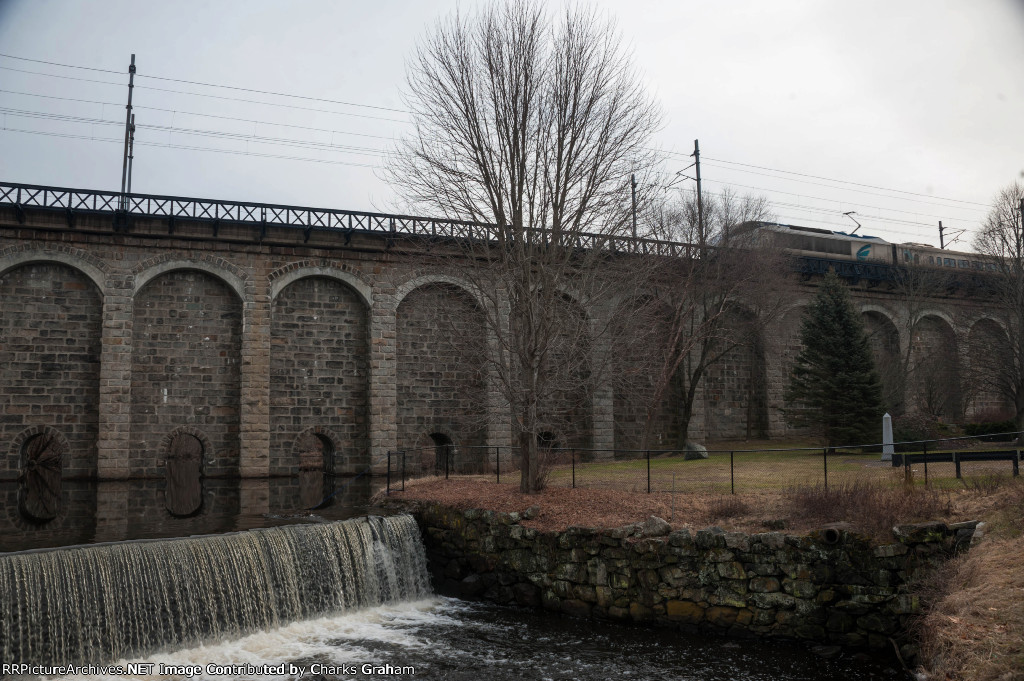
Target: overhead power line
242,137
856,184
192,148
846,201
192,82
67,66
333,131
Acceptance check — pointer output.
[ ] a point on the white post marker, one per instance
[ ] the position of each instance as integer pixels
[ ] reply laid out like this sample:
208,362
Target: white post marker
887,438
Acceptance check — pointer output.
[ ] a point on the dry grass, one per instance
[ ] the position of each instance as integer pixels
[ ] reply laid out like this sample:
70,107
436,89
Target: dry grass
871,507
975,629
877,508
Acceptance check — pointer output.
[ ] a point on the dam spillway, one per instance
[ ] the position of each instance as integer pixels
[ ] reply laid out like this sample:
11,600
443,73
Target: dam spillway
93,604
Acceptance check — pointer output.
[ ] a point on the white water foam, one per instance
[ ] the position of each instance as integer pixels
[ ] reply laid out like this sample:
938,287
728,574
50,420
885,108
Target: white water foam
341,640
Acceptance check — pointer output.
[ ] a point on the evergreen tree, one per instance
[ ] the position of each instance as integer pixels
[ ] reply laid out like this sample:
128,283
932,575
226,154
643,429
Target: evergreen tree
834,387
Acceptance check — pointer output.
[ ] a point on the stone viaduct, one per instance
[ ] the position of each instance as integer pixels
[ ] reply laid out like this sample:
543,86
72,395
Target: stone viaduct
265,332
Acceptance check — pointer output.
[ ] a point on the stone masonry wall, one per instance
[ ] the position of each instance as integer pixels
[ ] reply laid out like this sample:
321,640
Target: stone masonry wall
185,370
319,374
107,290
50,318
831,587
440,375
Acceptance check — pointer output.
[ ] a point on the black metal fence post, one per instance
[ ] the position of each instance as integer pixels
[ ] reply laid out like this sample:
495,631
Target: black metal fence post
925,449
447,456
387,485
403,470
572,457
497,463
732,474
824,458
1016,463
648,471
956,462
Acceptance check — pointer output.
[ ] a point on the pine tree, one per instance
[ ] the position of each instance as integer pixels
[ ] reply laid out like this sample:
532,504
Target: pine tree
834,387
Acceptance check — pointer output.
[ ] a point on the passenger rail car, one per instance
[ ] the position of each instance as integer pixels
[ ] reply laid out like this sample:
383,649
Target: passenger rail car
823,244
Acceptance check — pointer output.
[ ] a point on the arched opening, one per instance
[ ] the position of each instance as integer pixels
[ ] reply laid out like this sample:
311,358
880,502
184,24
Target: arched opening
444,450
547,440
440,369
40,494
183,495
186,367
316,465
885,350
987,380
936,369
319,378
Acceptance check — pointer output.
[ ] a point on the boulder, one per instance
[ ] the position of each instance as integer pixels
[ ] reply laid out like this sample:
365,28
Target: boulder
694,450
655,527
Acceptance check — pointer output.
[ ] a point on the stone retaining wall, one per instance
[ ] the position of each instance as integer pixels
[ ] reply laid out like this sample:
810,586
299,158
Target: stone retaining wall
832,587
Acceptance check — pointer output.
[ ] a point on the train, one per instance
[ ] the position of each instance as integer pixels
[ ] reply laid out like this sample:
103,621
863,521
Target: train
815,243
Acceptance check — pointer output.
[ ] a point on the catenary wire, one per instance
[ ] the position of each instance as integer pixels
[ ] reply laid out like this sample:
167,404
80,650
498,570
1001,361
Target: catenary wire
204,115
142,74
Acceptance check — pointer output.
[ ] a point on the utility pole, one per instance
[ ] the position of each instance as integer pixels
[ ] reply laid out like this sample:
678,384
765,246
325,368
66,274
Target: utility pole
131,151
942,243
700,200
127,132
632,180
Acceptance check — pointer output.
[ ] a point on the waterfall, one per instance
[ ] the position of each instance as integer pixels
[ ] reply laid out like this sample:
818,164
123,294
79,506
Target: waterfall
93,604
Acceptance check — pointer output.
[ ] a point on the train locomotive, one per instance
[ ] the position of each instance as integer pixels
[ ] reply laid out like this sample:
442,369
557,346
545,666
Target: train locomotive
857,256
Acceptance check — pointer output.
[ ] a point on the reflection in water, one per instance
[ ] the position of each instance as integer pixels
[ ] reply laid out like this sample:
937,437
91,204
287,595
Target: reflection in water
40,496
184,493
105,511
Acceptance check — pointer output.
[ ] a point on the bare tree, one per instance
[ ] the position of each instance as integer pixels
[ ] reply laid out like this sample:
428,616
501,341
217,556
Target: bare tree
912,371
1002,239
702,308
532,126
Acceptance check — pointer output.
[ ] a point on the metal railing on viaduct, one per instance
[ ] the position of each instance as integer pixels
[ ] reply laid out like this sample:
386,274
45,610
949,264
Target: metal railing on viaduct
175,208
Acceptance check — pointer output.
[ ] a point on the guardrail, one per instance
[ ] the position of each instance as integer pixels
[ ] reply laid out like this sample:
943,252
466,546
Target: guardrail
22,196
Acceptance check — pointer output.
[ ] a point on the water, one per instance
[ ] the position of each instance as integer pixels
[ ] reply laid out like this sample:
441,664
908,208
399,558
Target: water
329,616
96,603
107,511
451,640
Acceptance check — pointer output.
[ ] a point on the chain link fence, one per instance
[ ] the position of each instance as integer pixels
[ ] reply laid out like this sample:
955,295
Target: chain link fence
931,463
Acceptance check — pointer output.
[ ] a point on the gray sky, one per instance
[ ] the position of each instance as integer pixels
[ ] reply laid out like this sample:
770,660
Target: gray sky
923,97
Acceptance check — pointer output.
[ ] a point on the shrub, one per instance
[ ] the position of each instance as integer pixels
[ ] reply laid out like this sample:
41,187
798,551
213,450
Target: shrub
872,507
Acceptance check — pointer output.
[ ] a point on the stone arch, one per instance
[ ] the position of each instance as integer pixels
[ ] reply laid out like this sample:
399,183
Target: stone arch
884,338
51,325
319,369
186,363
736,385
935,367
197,433
149,270
427,279
40,451
638,338
569,410
440,353
328,442
282,278
988,353
86,263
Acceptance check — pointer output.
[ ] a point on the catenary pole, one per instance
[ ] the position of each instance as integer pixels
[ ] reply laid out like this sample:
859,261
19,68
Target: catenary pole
127,130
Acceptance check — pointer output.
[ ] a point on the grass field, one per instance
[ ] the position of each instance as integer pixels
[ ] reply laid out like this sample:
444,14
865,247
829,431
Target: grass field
765,470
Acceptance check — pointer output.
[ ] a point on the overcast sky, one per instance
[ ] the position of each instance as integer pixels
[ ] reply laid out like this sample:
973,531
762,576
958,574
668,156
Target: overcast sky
906,112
